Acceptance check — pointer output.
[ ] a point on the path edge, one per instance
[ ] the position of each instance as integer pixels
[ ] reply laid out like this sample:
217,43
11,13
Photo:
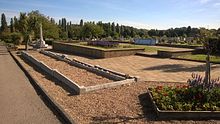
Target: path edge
54,106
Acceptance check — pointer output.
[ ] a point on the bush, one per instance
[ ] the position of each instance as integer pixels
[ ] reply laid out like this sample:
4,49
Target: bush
212,45
103,43
14,38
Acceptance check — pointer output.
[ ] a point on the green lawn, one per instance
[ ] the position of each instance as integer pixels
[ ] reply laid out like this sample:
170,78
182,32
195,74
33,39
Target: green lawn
151,49
124,45
200,57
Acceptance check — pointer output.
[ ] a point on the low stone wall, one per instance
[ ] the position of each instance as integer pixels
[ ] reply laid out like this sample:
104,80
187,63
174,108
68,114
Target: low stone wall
183,115
169,54
94,52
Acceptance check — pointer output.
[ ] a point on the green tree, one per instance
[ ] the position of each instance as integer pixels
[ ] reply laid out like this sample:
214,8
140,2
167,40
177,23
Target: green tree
81,23
4,26
12,29
50,29
16,24
91,30
24,28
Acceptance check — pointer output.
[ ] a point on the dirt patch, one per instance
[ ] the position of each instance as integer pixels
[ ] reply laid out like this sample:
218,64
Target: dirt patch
125,104
80,76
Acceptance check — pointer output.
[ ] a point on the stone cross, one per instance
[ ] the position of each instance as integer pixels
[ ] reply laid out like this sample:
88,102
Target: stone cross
41,43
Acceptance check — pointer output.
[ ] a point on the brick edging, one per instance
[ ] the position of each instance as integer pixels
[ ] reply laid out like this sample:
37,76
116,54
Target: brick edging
54,106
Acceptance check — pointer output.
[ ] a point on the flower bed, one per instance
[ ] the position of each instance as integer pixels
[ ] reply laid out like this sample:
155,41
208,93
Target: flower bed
185,98
197,100
103,43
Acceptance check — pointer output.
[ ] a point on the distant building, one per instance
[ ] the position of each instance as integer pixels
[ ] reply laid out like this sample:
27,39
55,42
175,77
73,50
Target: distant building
148,41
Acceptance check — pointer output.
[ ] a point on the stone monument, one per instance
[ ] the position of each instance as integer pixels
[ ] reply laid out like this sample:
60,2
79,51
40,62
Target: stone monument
41,43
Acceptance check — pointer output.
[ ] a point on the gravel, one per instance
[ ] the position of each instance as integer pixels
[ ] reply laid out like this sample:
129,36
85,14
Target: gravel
123,104
80,76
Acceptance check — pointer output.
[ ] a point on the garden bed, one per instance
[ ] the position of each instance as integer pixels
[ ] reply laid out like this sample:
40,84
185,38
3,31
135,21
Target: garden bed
94,51
184,103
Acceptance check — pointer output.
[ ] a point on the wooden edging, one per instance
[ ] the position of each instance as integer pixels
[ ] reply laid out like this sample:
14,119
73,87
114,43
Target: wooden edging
183,115
53,105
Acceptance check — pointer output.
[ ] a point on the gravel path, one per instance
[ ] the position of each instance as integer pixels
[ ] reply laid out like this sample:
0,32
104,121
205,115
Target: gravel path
116,105
80,76
19,103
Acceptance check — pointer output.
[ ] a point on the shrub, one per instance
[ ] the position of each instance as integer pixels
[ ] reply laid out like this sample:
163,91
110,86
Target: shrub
103,43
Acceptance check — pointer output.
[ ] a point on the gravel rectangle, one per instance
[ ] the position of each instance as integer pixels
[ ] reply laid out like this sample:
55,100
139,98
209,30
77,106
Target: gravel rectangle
81,76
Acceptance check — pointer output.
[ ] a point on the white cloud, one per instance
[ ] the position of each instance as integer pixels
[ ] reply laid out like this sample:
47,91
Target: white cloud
204,1
216,4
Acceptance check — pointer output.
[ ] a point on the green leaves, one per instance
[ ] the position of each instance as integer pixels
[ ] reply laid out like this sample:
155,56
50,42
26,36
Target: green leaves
184,98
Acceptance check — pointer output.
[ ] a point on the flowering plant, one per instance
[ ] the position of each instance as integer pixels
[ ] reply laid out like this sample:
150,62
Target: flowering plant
103,43
186,98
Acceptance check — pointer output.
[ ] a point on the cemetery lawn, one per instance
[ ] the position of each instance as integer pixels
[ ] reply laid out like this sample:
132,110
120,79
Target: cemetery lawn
149,49
200,57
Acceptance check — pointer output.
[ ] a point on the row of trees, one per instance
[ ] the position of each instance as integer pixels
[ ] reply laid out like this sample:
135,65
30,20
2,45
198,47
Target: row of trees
26,27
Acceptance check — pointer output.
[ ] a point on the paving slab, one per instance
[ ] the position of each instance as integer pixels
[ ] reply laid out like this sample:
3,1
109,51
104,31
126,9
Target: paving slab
153,69
19,102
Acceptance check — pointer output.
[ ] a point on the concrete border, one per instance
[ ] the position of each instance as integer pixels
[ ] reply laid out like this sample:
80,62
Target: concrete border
54,106
119,77
53,72
183,115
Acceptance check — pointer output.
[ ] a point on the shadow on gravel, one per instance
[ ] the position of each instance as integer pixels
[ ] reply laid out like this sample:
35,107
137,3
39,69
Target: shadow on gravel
65,87
147,107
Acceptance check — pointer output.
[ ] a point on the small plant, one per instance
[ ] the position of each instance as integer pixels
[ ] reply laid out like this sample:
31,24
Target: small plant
198,81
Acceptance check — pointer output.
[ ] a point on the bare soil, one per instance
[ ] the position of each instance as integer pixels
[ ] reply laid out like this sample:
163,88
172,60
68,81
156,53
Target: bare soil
124,104
78,75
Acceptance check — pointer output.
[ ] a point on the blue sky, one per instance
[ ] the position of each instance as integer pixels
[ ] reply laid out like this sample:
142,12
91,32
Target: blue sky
149,14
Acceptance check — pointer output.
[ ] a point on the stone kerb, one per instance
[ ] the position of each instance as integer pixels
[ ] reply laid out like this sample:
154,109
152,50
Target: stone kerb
54,73
95,69
109,85
118,77
66,80
46,68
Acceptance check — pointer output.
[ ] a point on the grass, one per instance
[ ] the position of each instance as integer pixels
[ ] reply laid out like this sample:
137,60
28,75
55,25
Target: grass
125,45
200,57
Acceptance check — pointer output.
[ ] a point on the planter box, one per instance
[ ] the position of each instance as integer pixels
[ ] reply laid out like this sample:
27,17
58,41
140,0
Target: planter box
95,52
183,115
